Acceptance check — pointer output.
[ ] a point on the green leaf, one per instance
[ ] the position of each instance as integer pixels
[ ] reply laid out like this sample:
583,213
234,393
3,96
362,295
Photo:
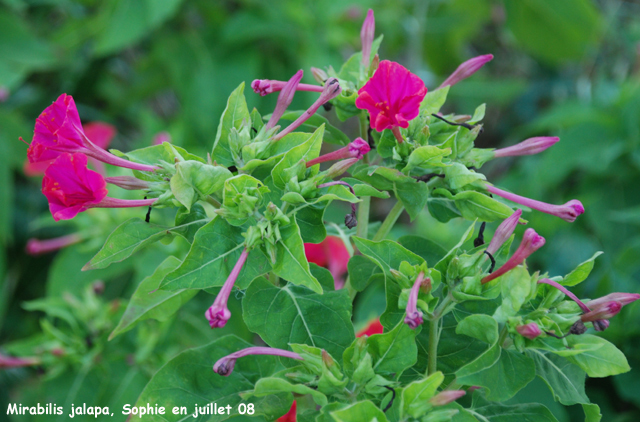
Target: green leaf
591,412
323,276
271,385
515,287
394,351
332,135
530,412
297,315
204,178
603,361
188,380
458,176
306,151
215,250
291,262
409,191
474,205
434,100
564,379
124,241
190,222
155,154
426,157
183,191
415,396
361,269
310,222
363,189
364,411
581,272
481,327
423,247
234,113
149,302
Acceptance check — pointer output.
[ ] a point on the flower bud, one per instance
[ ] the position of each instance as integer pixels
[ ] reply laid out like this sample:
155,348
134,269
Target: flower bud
466,69
603,311
529,146
531,242
504,232
446,397
367,33
530,331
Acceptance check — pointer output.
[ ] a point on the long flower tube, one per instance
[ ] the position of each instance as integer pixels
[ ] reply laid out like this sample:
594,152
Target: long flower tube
568,212
330,91
356,149
529,146
531,242
39,247
504,232
367,33
413,316
284,99
224,366
466,69
218,314
268,86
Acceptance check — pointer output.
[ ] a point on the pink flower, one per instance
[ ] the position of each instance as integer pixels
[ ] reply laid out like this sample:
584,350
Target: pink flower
374,327
290,416
268,86
529,331
531,242
367,33
356,149
39,247
529,146
504,232
331,253
413,316
224,366
623,298
284,99
11,362
99,133
466,69
446,397
71,188
218,314
161,137
568,212
58,129
392,97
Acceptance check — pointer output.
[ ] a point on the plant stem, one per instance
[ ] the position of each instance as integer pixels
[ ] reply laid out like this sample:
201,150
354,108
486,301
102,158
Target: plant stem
363,217
388,222
503,335
434,336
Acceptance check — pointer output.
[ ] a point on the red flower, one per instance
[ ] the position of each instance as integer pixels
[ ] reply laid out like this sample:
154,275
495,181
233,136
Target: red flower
374,327
392,96
99,133
331,253
290,416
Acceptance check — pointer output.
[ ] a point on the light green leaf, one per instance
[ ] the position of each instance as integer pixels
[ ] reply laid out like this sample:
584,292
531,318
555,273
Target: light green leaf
581,272
235,112
604,361
481,327
427,156
564,379
364,411
306,151
515,287
458,176
271,385
291,262
434,100
530,412
361,268
297,315
415,396
332,135
591,412
394,351
474,205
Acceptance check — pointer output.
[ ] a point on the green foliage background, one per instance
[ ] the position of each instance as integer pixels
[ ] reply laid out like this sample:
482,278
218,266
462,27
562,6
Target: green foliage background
569,68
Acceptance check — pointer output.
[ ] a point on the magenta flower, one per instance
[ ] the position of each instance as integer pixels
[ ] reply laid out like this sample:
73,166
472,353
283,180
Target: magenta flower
392,97
161,137
58,129
466,69
367,33
504,232
39,247
356,149
224,366
330,91
568,212
284,99
218,314
413,316
531,242
268,86
530,330
446,397
71,188
529,146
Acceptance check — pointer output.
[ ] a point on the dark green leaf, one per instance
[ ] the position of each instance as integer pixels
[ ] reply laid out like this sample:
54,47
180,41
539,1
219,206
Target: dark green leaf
564,379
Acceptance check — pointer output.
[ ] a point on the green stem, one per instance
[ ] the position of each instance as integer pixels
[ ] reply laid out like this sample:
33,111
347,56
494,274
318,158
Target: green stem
434,337
503,335
363,217
212,201
388,222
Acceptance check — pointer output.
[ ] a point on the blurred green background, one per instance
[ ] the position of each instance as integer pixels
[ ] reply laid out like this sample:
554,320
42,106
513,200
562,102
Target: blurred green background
569,68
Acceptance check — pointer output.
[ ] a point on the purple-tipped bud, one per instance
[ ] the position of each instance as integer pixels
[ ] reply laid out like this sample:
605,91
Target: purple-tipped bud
446,397
330,90
623,298
224,366
413,317
218,314
161,137
604,311
466,69
127,182
356,149
568,212
529,331
39,247
530,146
268,86
367,33
531,242
284,99
504,231
340,167
319,75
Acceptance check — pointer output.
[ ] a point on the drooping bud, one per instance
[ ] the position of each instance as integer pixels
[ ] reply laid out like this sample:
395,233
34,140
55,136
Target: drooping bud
446,397
623,298
568,212
413,316
504,232
466,69
284,99
530,331
530,146
356,149
367,33
218,314
604,311
564,290
531,242
224,366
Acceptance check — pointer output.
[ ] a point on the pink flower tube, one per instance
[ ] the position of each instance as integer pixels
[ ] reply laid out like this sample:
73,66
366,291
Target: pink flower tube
356,149
284,99
530,331
466,69
529,146
367,33
218,314
531,242
413,316
224,366
504,232
568,212
39,247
